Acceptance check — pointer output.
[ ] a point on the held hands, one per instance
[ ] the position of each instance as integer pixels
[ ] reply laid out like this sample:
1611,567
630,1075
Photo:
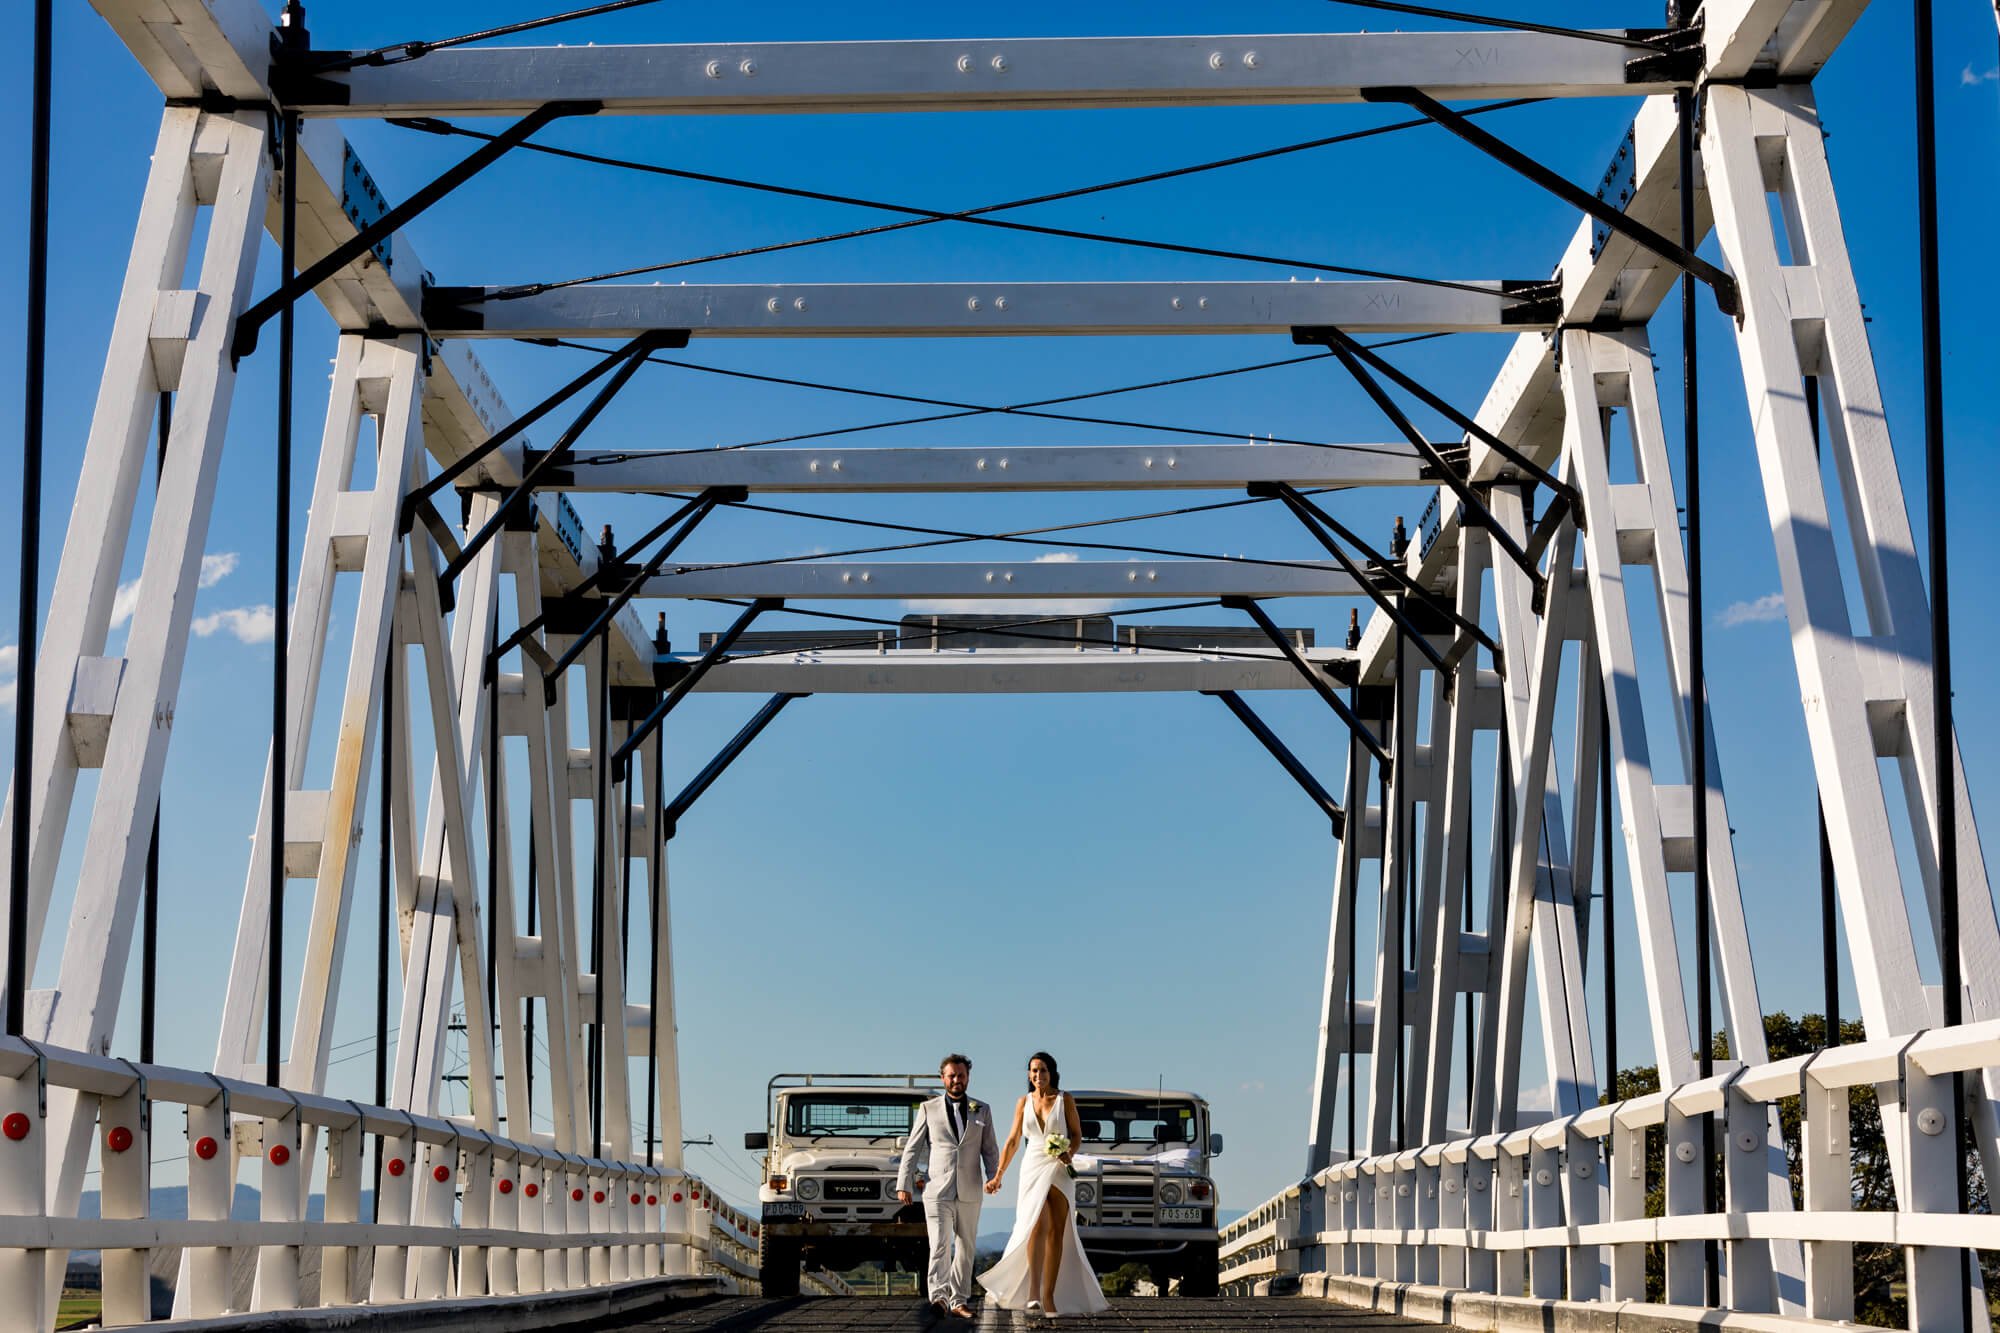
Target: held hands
902,1196
993,1185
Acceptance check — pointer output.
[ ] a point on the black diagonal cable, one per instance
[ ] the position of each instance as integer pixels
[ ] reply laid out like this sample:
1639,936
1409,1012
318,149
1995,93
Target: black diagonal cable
402,52
925,218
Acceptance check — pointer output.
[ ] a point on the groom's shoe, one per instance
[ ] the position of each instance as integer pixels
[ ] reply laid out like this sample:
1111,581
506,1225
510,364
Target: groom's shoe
961,1311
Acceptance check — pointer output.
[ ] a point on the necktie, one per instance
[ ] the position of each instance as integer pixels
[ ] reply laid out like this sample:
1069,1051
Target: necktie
957,1106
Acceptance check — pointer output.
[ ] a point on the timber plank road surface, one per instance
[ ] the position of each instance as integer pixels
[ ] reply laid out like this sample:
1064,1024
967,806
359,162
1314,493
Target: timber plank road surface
1138,1315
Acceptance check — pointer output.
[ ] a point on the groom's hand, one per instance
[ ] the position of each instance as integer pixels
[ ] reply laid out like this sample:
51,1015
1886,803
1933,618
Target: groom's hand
993,1185
902,1196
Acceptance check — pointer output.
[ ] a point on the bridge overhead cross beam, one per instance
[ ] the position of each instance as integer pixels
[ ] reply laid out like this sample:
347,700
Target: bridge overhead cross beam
980,74
987,309
1152,580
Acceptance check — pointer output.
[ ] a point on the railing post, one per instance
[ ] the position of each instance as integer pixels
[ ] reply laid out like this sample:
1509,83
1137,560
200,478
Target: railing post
1451,1216
281,1199
343,1205
532,1183
509,1213
674,1222
1928,1124
475,1213
435,1193
392,1207
211,1182
1403,1183
1510,1215
1482,1271
1746,1177
125,1156
597,1221
1828,1165
1426,1177
1582,1206
576,1222
1628,1204
1684,1199
1545,1210
1369,1214
23,1158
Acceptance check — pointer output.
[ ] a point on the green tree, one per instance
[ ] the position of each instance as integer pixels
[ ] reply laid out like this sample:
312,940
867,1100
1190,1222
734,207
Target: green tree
1122,1280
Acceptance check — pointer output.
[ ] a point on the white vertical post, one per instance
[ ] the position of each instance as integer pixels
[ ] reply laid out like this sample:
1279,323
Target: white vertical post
23,1148
393,1207
281,1199
344,1173
125,1182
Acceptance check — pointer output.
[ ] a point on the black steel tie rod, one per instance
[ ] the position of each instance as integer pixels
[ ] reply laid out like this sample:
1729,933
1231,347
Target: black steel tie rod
1286,759
1386,604
1315,517
685,685
1727,299
297,285
670,814
696,510
656,340
632,356
1460,487
1319,683
1328,335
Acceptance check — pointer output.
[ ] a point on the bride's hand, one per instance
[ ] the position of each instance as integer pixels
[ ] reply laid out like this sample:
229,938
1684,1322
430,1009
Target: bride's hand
1064,1157
993,1185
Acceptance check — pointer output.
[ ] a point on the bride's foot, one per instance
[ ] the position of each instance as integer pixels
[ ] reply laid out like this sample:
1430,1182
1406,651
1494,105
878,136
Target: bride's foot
1034,1307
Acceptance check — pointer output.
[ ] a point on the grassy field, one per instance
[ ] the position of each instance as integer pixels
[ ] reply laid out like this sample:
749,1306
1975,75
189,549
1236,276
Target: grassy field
79,1307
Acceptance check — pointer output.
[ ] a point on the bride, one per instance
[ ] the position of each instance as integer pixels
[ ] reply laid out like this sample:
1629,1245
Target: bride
1044,1267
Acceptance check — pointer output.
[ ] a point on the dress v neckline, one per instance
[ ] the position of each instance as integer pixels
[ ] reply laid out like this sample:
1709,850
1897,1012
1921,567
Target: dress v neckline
1041,1120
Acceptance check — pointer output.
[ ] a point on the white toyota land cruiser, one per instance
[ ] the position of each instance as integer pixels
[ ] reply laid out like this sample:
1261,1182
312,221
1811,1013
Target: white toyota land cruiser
1143,1189
830,1161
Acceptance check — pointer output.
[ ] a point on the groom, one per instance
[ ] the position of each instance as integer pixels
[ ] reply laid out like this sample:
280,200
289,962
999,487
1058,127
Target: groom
964,1152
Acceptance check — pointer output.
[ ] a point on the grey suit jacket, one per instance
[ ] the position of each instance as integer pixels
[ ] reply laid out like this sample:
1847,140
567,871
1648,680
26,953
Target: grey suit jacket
957,1166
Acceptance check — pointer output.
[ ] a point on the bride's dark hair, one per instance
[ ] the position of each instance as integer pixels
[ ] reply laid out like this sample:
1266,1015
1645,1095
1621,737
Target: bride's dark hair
1048,1062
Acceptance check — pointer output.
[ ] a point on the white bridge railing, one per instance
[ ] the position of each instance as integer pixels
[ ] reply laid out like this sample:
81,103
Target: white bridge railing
459,1212
1559,1209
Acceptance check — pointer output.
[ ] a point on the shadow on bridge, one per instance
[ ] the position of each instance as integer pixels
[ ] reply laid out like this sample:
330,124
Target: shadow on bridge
741,1315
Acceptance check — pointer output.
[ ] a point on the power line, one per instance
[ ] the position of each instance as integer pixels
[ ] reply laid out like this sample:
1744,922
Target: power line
1489,21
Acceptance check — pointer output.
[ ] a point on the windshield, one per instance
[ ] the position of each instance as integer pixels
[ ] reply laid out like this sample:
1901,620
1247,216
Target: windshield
849,1115
1147,1124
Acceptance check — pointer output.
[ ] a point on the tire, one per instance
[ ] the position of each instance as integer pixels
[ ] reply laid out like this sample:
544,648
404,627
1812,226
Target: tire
778,1273
1201,1271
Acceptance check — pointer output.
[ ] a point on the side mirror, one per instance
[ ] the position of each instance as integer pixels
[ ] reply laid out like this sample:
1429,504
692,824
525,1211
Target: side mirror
757,1142
1215,1145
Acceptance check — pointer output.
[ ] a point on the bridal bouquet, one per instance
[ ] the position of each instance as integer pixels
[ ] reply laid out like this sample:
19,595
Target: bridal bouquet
1057,1145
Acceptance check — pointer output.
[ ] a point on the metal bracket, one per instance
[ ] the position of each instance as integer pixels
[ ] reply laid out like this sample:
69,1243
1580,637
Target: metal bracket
671,812
621,758
250,321
1727,298
1249,606
1286,759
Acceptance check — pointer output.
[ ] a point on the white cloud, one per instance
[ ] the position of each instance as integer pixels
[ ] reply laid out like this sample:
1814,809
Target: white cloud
1969,79
1771,606
249,624
10,657
7,691
10,663
215,567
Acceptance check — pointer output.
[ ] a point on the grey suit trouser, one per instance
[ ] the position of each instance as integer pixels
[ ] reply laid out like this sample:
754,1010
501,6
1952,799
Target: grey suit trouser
954,1228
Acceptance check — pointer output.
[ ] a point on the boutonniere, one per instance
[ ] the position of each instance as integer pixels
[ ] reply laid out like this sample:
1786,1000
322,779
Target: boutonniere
971,1107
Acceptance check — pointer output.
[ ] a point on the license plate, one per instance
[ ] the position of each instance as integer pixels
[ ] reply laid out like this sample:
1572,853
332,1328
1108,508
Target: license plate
1166,1214
784,1210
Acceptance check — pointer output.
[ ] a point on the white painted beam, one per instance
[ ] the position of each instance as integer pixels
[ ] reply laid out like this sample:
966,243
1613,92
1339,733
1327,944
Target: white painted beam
993,468
984,74
981,309
1172,580
1008,671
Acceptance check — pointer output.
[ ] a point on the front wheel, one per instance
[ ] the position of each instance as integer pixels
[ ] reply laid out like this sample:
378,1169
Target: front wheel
1201,1271
778,1273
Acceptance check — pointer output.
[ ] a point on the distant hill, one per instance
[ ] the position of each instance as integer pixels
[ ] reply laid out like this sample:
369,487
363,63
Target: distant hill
170,1203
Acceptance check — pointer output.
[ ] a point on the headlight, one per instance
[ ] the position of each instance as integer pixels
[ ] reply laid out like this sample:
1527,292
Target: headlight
1170,1192
808,1189
1086,1193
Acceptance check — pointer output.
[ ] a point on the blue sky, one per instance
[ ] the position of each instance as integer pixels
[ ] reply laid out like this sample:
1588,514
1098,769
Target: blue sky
1128,882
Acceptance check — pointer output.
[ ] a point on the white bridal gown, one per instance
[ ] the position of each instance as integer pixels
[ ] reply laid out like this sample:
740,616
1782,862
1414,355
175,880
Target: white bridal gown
1007,1282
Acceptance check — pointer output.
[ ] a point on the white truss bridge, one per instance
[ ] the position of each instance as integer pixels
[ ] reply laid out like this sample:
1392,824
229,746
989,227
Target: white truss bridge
1512,600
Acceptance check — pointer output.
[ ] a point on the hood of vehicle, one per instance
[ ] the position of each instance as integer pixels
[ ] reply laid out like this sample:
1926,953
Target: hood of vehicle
795,1160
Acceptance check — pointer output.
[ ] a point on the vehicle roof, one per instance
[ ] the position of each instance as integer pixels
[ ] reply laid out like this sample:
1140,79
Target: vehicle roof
831,1090
1139,1094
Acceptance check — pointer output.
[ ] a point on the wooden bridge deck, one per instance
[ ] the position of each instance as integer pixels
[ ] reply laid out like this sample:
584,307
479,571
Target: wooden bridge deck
1153,1315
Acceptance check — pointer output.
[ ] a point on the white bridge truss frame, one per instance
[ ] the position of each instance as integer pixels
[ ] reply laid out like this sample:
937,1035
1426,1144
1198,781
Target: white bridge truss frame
1537,1211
